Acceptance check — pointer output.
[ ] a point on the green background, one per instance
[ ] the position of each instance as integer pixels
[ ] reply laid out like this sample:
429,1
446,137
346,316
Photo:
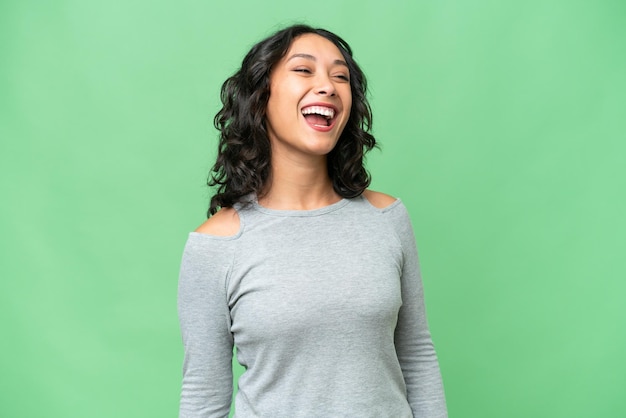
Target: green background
503,130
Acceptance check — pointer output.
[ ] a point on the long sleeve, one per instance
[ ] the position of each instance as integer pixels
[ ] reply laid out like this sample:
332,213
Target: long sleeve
413,342
205,327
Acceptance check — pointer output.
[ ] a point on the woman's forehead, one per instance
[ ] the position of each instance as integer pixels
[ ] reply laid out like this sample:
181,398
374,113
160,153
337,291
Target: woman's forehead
313,46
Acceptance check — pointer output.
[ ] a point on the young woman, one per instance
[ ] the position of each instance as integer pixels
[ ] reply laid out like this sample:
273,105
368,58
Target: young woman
312,277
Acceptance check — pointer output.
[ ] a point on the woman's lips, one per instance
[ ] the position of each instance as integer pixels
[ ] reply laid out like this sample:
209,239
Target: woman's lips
320,116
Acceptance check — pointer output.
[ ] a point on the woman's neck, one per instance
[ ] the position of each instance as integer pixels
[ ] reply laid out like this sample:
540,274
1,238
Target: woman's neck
299,186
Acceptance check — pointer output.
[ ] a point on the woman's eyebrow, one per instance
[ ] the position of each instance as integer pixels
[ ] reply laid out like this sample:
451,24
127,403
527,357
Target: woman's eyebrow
312,58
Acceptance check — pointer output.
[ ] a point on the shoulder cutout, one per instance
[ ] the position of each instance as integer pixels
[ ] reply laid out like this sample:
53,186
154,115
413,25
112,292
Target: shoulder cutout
224,223
378,200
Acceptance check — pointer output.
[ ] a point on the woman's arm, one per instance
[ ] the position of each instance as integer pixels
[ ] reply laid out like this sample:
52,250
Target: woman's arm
414,345
205,327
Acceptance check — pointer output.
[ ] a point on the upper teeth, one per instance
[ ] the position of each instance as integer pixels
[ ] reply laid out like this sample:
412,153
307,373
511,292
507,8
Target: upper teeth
320,110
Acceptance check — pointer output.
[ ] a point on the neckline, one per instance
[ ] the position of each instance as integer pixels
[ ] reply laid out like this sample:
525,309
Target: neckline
299,212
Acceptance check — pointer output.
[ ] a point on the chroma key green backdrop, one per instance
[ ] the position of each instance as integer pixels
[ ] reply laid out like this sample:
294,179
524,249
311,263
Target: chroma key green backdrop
503,129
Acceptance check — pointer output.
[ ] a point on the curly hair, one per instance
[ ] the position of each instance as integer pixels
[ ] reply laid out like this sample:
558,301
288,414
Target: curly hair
243,164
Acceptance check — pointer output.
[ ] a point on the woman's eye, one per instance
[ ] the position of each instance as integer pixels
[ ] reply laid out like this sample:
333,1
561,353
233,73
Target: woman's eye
303,70
343,77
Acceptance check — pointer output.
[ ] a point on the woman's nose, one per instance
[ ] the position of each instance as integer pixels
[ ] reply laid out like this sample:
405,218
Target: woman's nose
325,86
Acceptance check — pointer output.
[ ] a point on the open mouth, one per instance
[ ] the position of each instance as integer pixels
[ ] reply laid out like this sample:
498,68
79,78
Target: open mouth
319,117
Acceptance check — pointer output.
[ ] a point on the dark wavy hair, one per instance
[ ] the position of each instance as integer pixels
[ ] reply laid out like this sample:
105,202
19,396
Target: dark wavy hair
243,164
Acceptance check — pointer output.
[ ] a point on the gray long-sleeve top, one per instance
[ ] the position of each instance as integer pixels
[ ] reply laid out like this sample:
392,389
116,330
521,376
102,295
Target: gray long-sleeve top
325,308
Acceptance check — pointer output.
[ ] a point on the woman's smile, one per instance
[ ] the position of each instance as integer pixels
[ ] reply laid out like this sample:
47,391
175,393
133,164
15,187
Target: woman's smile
320,116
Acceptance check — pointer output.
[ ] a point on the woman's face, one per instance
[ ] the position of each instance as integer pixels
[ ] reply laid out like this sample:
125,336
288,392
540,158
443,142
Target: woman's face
310,98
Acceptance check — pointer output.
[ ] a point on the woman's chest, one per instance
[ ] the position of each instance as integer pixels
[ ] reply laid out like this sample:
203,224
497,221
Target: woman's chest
302,282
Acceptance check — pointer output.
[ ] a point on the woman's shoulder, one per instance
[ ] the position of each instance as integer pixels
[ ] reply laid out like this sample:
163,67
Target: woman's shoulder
210,249
391,213
379,200
391,208
225,223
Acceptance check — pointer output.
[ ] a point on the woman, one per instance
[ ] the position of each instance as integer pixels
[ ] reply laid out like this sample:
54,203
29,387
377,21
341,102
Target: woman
312,277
